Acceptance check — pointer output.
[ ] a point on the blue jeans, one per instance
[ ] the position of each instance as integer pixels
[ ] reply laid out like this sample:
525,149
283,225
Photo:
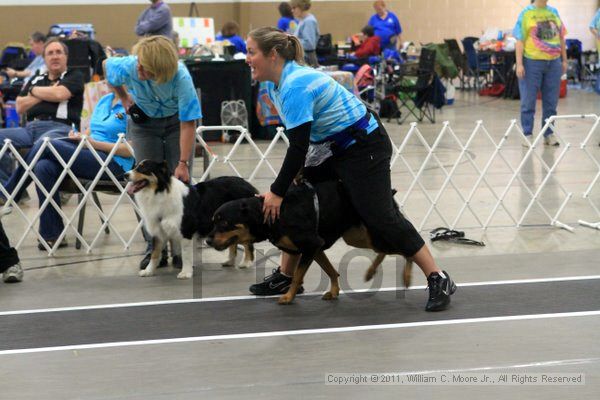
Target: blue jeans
26,137
544,76
48,169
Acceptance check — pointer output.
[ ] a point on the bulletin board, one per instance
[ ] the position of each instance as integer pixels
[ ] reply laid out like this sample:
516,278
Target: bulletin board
193,31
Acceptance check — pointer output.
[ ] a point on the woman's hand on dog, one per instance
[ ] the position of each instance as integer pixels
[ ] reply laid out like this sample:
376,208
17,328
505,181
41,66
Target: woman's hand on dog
271,206
182,173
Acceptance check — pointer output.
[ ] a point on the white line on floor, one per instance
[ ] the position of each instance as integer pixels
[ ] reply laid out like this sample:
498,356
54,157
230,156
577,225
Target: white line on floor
302,332
234,298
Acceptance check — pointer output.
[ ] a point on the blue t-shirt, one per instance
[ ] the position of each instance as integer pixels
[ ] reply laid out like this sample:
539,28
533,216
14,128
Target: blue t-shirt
107,122
308,33
287,24
595,24
157,100
237,41
385,28
307,95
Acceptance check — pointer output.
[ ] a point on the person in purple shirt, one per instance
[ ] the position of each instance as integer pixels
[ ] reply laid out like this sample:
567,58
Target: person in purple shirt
386,25
155,20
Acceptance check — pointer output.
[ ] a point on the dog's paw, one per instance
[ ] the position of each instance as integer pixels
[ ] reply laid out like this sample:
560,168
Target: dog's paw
285,300
145,273
370,274
331,295
228,263
246,264
185,275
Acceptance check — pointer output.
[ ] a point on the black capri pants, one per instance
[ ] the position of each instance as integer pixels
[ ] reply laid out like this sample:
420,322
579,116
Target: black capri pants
364,169
8,255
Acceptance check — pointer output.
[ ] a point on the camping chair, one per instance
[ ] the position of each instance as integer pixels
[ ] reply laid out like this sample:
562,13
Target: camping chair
479,64
364,80
460,61
11,55
414,96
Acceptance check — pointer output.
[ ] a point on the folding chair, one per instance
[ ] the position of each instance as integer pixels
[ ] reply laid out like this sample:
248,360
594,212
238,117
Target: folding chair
103,186
12,53
460,60
413,96
479,64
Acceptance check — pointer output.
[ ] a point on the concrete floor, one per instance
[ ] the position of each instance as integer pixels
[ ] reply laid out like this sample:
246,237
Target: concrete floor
295,366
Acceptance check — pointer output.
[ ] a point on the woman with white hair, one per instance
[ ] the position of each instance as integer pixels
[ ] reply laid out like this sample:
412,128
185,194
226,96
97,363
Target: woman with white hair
163,107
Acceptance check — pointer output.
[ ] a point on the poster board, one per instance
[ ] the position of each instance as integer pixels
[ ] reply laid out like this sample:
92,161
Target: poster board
193,31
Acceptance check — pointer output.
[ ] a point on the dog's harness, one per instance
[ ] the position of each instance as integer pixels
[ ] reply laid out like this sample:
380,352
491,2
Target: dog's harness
315,201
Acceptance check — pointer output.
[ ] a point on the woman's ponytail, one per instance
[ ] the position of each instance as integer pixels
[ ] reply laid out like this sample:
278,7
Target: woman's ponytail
287,46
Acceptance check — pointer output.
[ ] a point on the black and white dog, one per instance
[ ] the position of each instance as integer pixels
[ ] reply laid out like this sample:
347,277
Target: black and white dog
176,212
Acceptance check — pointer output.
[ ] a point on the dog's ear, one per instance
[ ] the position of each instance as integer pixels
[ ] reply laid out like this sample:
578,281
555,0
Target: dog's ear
164,167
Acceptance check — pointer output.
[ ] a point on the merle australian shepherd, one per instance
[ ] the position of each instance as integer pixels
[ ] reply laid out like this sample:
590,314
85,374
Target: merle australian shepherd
176,212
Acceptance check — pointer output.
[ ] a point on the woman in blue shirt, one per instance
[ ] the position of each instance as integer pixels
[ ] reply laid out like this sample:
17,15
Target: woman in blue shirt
230,32
108,120
163,106
386,25
346,142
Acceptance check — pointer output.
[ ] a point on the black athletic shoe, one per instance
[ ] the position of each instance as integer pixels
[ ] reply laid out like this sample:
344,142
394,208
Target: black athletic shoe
440,290
164,260
274,284
177,262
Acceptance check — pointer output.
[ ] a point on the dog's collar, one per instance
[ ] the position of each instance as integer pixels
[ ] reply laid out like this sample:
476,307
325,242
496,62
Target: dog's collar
315,201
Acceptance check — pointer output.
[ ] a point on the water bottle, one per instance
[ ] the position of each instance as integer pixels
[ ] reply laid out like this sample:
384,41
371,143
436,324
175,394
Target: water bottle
11,117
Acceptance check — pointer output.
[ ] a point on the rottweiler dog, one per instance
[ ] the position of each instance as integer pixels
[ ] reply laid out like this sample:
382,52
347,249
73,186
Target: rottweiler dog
312,219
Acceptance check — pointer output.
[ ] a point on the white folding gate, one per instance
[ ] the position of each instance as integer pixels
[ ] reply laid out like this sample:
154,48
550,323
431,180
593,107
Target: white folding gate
404,154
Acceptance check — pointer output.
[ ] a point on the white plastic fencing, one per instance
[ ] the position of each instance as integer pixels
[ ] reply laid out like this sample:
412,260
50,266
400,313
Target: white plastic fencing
418,190
31,223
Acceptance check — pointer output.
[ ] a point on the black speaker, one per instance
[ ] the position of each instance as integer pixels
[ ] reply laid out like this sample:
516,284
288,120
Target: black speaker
220,81
85,55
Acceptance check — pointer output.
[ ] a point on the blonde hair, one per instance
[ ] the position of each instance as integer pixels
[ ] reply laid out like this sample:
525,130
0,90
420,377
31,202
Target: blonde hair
287,46
158,56
304,5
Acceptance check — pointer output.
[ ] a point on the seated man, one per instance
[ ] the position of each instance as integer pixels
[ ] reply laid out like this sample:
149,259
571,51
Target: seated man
52,102
108,120
369,43
230,33
36,41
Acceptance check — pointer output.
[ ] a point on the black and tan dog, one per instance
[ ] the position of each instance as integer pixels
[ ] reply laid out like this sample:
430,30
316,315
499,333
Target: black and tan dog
306,226
176,212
